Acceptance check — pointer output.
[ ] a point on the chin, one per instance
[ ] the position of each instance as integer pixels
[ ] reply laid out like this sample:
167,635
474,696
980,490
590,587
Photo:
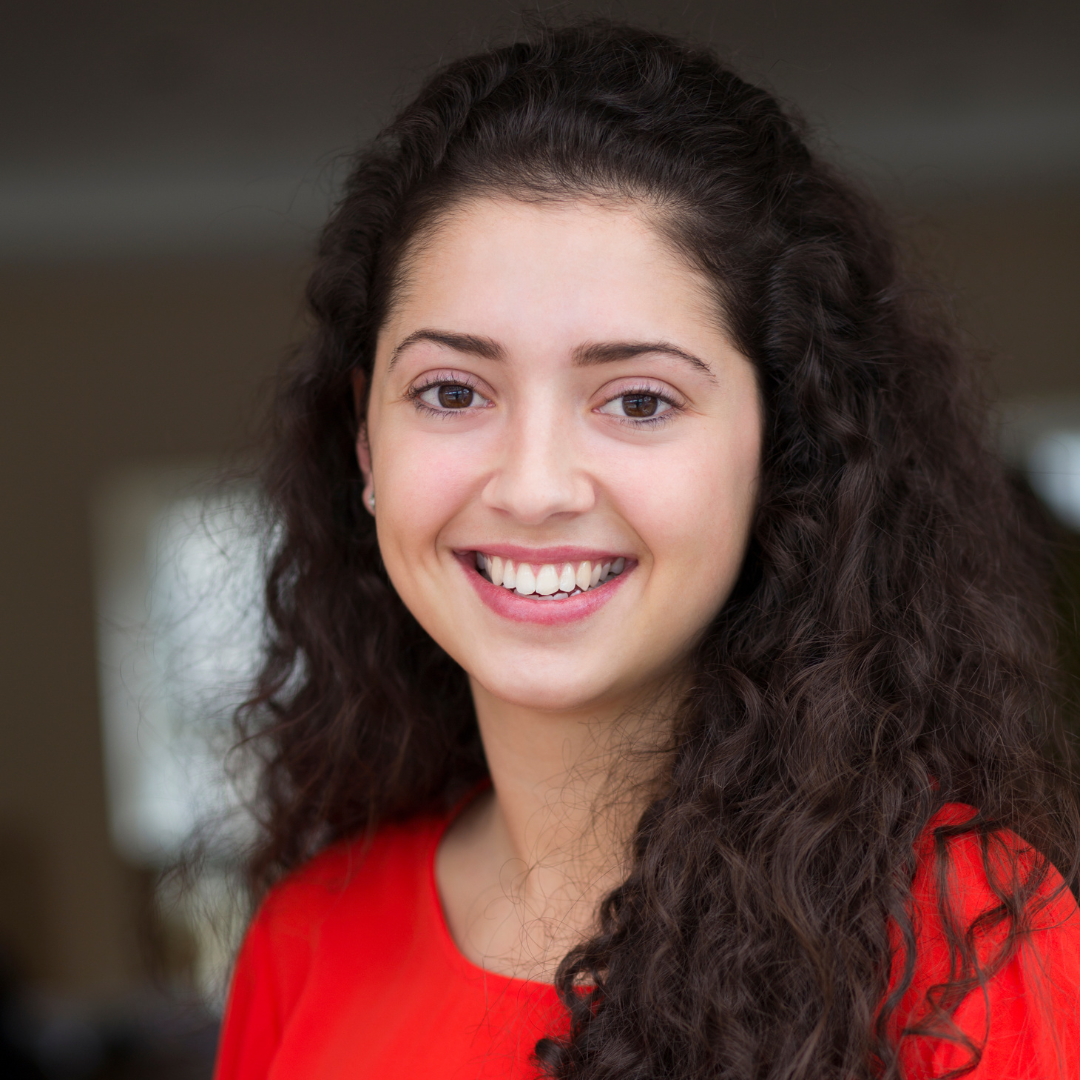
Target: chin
547,695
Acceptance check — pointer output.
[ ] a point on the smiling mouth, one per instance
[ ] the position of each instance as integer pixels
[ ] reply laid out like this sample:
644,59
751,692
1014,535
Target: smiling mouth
549,581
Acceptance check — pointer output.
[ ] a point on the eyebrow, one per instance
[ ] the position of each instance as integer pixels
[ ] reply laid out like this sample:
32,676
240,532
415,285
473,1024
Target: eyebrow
609,352
583,356
463,343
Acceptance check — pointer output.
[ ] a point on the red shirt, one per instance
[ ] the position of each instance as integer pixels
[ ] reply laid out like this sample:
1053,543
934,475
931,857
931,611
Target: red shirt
349,971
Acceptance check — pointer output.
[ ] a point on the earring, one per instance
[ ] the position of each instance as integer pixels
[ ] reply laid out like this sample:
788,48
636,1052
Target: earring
371,501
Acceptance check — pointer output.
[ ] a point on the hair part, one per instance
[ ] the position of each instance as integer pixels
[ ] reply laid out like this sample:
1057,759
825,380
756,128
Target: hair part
887,648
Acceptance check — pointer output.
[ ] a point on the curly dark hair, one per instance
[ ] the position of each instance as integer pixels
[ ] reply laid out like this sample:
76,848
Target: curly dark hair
888,647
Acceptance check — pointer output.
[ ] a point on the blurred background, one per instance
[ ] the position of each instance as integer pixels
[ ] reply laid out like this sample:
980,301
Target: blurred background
164,169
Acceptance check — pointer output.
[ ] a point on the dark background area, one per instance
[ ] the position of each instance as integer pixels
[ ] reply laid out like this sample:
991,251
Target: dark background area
164,168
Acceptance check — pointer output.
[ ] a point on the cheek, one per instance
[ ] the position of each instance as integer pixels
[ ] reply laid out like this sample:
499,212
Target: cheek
422,482
694,513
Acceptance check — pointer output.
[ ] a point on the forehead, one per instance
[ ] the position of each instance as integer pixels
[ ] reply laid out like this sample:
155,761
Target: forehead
501,266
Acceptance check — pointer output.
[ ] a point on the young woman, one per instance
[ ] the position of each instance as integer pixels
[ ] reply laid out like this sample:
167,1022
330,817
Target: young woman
660,682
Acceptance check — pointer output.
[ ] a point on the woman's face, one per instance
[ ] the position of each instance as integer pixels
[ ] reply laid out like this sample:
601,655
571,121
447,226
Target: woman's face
564,448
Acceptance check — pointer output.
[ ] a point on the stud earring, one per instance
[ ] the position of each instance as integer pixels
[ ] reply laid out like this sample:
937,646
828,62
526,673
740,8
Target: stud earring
371,500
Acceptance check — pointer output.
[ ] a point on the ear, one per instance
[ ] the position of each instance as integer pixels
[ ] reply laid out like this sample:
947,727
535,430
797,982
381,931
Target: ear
363,449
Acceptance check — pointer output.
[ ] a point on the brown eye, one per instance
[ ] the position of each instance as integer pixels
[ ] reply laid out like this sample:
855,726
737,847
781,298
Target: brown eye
640,406
455,397
449,397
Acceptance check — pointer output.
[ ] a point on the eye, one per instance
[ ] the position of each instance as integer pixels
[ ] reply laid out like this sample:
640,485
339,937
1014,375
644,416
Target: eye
443,397
453,397
637,405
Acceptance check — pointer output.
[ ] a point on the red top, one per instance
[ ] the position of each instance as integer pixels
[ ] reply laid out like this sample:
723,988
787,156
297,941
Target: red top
349,971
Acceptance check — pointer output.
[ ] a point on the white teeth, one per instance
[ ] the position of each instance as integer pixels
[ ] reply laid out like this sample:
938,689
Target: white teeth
526,582
547,580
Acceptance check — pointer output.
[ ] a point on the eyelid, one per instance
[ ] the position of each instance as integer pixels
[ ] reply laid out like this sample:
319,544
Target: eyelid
677,405
446,375
429,380
630,384
442,376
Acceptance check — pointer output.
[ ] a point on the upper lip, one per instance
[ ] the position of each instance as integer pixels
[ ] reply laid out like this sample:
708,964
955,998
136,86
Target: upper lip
540,556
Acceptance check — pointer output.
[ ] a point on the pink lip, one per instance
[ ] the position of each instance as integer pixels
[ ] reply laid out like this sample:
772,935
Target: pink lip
509,605
538,556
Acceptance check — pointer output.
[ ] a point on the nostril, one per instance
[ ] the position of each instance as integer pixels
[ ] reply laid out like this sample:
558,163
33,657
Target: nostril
532,494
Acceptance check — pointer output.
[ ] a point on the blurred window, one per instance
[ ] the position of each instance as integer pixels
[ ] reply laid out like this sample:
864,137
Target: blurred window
1041,438
179,630
1054,471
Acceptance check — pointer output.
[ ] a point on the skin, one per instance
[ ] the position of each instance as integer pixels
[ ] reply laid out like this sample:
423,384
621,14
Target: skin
525,298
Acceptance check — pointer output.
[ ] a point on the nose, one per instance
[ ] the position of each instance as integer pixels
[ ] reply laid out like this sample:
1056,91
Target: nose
542,470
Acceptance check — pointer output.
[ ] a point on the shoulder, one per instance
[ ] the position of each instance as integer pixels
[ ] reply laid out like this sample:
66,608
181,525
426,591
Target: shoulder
357,872
1019,1015
964,874
350,901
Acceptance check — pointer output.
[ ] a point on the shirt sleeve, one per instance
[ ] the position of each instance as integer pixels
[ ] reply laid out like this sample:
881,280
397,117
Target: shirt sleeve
1025,1023
275,964
251,1028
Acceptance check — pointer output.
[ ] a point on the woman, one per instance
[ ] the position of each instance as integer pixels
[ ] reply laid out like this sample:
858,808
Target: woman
659,680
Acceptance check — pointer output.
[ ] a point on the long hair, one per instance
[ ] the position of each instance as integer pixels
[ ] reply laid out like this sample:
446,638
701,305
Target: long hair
888,647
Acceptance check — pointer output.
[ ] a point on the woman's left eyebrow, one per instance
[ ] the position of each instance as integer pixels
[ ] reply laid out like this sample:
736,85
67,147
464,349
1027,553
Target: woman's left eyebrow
610,351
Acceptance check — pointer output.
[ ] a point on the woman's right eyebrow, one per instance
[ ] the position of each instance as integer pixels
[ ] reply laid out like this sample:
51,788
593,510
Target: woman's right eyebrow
464,343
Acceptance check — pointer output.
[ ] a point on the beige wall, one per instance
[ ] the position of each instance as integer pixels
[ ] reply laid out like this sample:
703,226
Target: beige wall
102,366
1015,266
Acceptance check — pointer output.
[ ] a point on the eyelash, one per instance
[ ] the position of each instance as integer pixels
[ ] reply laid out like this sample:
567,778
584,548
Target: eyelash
414,393
650,421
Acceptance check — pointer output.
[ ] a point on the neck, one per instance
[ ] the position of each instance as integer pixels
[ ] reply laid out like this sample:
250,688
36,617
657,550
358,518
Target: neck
523,870
568,787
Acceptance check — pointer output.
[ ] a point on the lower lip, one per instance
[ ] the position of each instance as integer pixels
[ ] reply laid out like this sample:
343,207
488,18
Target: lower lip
510,605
